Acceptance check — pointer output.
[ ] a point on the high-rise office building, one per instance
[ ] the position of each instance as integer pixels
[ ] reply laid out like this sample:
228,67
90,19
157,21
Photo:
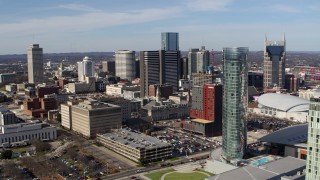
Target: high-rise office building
192,61
170,41
313,157
199,60
35,64
159,67
234,131
125,64
274,63
109,66
184,68
85,69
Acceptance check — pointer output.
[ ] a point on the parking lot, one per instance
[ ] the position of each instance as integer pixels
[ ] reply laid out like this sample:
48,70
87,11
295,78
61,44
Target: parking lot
185,143
268,123
110,158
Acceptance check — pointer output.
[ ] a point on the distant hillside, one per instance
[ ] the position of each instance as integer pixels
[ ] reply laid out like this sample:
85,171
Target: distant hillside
311,58
59,56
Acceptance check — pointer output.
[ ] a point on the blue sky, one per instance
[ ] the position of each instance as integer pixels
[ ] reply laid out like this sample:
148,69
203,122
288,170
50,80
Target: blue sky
109,25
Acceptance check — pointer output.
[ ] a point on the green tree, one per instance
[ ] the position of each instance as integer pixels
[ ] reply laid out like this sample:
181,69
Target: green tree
6,154
41,146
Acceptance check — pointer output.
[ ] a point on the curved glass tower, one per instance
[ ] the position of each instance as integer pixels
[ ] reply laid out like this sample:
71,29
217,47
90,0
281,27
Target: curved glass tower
234,129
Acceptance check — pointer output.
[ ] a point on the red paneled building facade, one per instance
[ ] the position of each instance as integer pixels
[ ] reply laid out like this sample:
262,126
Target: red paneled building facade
206,109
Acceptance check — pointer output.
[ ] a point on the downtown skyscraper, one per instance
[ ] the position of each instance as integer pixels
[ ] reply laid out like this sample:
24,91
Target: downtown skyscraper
235,102
170,41
199,60
274,63
125,63
159,67
35,64
313,157
85,69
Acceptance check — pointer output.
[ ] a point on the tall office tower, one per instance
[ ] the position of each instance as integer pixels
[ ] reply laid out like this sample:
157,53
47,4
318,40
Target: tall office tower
35,64
159,67
274,63
109,66
199,60
85,69
192,61
184,68
170,41
235,99
125,64
313,157
137,68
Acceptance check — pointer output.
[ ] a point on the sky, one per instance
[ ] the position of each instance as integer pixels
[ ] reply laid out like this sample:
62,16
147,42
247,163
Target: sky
108,25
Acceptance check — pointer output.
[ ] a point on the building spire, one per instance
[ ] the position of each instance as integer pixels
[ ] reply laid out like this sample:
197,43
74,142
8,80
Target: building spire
265,37
284,36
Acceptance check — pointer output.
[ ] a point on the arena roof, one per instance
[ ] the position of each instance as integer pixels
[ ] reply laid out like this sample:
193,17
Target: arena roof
292,135
284,102
272,170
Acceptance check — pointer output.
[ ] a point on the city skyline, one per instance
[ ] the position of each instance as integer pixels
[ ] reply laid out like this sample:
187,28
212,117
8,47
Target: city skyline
99,26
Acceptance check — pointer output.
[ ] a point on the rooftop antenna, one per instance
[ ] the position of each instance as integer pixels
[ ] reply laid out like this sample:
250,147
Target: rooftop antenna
265,36
284,36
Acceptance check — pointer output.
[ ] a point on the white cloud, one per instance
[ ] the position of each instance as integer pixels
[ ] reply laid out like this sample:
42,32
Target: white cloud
208,5
87,21
285,8
78,7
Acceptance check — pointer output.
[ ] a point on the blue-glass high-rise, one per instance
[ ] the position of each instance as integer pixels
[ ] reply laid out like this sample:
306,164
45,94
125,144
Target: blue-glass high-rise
170,41
235,102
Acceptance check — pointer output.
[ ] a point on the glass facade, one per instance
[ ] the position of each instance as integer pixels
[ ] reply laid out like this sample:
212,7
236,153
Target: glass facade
234,136
313,164
170,41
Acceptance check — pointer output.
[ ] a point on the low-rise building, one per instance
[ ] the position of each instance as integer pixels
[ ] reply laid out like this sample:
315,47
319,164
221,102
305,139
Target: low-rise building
185,84
166,90
39,107
117,89
23,86
23,132
288,168
44,90
199,126
81,87
7,78
13,132
136,146
131,94
309,93
165,110
11,87
91,117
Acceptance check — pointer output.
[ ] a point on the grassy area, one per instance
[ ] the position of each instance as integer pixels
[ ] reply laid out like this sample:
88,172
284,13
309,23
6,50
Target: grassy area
211,174
21,150
174,158
157,175
185,176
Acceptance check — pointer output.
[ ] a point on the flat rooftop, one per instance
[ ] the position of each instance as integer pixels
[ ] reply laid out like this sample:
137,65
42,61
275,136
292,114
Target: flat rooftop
203,121
288,166
135,139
